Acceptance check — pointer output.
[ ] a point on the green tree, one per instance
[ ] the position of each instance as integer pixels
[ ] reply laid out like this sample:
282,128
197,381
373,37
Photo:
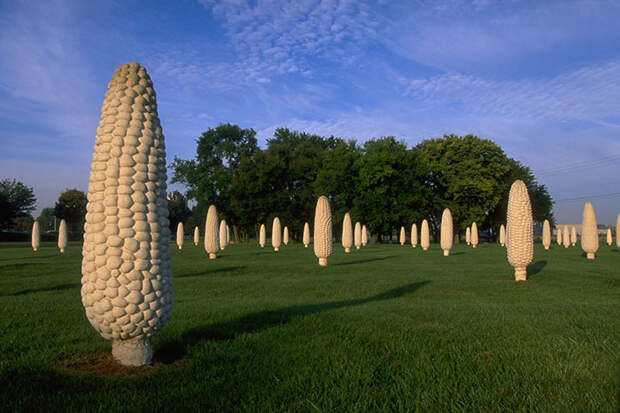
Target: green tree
46,219
178,211
16,200
71,206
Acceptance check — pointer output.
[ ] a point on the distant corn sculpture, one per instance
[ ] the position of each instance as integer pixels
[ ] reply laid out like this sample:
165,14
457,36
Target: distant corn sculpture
502,235
589,231
222,234
357,235
474,235
609,237
36,237
364,235
180,235
468,236
322,230
558,235
227,234
285,236
196,236
520,230
276,234
565,237
306,238
546,234
447,234
424,234
212,242
62,236
347,233
573,236
262,236
414,235
402,237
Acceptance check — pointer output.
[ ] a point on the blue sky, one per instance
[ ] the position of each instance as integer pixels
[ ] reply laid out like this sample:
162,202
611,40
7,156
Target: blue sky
542,79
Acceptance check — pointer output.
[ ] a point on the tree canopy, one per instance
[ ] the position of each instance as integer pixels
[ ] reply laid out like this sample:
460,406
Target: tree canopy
71,206
16,200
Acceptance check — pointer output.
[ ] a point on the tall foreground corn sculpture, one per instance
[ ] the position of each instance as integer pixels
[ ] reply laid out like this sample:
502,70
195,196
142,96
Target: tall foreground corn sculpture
357,235
347,233
126,270
306,237
519,230
212,235
322,230
447,234
589,231
546,234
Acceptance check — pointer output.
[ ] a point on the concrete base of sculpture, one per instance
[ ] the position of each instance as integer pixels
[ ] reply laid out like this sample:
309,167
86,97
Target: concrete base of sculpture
347,250
276,249
590,255
446,253
35,249
424,249
322,262
546,247
62,250
305,245
180,248
212,255
572,244
357,247
132,353
474,246
521,274
502,244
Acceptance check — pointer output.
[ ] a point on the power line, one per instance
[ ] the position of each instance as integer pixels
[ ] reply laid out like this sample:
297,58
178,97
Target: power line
610,195
579,167
579,164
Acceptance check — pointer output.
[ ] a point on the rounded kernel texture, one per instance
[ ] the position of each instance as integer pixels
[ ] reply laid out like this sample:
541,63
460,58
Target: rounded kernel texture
119,216
519,230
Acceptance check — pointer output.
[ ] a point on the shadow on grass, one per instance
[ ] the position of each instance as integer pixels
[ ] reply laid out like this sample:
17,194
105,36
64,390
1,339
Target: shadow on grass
60,287
213,271
457,253
262,320
6,267
365,260
535,268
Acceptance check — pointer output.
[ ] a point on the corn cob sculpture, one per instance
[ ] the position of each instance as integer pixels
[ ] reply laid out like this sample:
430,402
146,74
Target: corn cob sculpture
520,230
447,235
322,230
180,235
403,238
565,237
36,236
347,233
617,231
262,236
609,237
414,235
212,233
276,234
468,236
306,237
364,235
357,235
589,231
62,236
196,236
558,235
425,241
474,235
222,237
546,234
126,270
573,236
227,234
285,236
502,235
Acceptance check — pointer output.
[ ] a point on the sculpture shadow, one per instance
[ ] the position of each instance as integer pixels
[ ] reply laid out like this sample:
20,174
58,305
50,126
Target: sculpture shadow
210,272
536,267
21,265
60,287
362,261
457,253
262,320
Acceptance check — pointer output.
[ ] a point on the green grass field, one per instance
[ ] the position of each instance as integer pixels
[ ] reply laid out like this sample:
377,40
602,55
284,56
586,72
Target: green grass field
386,328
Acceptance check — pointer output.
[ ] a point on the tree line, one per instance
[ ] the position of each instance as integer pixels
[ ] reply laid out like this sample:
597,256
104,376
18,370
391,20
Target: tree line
382,182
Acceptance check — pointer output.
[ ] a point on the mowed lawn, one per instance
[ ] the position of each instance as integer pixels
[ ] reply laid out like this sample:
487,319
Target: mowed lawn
386,328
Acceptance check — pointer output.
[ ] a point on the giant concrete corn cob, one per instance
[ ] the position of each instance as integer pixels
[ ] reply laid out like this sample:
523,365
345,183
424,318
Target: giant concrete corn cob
62,236
212,233
262,236
609,237
502,235
573,236
546,235
222,234
565,237
414,235
425,241
196,236
276,234
227,234
357,235
558,235
306,237
180,235
364,235
617,231
403,236
468,236
322,230
36,237
474,235
126,270
285,236
347,233
520,230
447,235
589,231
